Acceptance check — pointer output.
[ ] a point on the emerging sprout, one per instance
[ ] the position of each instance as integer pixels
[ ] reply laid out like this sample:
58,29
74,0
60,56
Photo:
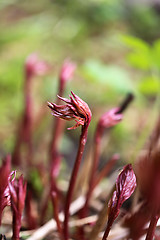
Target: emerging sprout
75,109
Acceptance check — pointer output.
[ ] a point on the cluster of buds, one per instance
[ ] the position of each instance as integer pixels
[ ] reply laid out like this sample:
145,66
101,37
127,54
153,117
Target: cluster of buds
75,109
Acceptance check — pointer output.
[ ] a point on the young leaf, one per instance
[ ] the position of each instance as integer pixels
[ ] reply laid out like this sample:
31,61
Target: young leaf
125,186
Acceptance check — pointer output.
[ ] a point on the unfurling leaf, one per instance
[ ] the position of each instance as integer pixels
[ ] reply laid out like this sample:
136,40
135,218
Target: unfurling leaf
125,186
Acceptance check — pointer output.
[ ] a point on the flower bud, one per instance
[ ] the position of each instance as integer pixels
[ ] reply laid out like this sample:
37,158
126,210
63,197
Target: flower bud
75,109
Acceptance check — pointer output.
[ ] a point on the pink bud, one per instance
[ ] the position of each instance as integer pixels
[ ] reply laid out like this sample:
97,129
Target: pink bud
67,70
35,66
110,118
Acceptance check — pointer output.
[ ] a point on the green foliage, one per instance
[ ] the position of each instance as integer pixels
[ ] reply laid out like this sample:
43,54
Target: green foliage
113,76
156,54
140,55
144,21
145,57
93,11
150,86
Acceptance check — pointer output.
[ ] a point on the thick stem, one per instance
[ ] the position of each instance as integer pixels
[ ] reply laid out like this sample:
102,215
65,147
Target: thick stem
16,226
152,227
82,142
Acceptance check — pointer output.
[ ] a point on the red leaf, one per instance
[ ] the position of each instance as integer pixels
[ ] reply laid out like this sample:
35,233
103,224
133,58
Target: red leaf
125,184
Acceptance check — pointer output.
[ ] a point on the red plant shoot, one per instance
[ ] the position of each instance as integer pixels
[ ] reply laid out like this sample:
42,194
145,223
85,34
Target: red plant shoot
6,175
75,109
125,186
32,67
17,191
66,73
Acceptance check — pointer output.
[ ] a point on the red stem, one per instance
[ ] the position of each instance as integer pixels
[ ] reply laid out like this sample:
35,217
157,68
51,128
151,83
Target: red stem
82,142
24,133
54,198
93,170
152,227
16,226
106,232
108,228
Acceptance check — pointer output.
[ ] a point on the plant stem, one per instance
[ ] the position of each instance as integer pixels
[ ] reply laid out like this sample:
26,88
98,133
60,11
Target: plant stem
16,226
25,130
152,227
82,142
107,231
97,143
54,199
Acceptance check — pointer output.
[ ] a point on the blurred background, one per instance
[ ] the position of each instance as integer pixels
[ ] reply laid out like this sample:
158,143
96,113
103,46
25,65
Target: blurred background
116,46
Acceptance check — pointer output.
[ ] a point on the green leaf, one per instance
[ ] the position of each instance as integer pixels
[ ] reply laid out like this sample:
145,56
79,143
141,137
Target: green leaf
149,86
140,57
156,53
140,60
135,43
110,75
